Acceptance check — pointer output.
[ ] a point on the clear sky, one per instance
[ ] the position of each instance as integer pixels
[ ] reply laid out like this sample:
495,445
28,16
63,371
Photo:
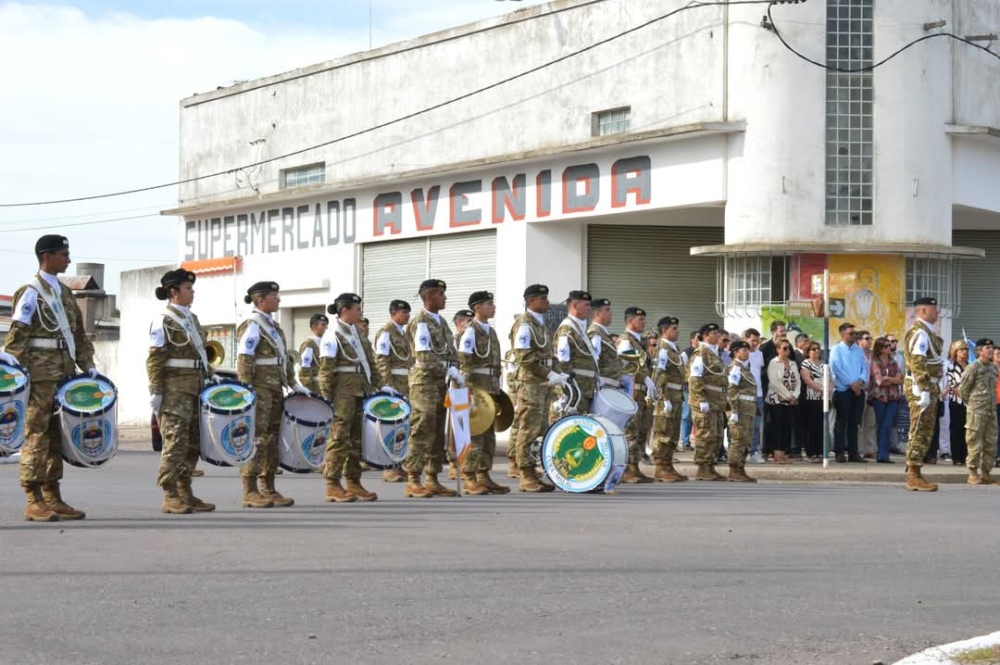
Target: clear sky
90,93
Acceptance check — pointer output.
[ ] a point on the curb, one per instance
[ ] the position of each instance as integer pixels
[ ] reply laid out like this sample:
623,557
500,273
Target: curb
941,655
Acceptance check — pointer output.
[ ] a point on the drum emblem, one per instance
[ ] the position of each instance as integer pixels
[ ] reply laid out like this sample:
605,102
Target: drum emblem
88,396
395,441
314,448
236,438
9,382
10,422
228,398
92,438
386,409
577,455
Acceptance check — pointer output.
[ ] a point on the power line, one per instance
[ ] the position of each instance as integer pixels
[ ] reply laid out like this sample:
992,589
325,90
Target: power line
409,116
89,223
881,62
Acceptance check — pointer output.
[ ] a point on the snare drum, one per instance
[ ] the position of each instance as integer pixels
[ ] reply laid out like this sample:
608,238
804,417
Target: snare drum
305,427
88,418
614,404
385,437
227,412
581,453
13,402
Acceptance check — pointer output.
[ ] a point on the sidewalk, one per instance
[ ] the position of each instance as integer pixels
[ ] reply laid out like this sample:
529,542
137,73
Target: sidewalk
138,438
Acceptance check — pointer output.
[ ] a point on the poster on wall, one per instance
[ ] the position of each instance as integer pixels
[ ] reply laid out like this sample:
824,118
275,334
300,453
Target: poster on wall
868,290
794,325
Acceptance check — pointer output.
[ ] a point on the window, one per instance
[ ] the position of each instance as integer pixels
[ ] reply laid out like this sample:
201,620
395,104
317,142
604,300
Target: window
313,174
752,281
849,113
935,278
614,121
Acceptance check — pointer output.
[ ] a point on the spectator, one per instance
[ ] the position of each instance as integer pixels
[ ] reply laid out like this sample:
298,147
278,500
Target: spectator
884,397
752,337
958,357
769,349
899,432
724,348
866,441
811,409
686,423
800,353
782,398
850,374
801,347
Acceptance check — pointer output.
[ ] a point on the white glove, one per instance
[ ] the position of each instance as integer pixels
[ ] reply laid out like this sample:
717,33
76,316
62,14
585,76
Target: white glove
156,403
925,399
650,387
734,418
388,389
93,372
216,379
7,358
703,406
455,376
299,389
556,378
668,406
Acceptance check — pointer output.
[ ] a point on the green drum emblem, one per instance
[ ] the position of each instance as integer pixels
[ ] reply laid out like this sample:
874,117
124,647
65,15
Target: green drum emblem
228,397
87,396
577,453
10,381
386,409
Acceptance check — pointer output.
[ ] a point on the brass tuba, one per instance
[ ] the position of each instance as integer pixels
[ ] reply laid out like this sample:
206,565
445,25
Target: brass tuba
215,353
632,362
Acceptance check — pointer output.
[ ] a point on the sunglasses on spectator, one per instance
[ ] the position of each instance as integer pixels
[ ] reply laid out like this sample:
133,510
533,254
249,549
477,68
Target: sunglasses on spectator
866,339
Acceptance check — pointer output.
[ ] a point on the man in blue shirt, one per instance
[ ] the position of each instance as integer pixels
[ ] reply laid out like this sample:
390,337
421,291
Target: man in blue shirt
850,375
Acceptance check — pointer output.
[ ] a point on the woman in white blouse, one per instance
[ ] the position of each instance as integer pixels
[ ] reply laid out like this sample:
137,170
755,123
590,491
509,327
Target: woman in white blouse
781,401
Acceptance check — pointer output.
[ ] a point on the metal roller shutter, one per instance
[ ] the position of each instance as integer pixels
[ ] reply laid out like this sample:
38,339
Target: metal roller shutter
467,262
391,270
300,323
979,315
652,267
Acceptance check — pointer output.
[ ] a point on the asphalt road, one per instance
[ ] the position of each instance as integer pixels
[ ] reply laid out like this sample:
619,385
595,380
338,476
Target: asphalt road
695,573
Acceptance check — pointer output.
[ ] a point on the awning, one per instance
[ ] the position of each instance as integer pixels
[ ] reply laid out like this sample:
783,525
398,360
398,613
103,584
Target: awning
214,266
789,249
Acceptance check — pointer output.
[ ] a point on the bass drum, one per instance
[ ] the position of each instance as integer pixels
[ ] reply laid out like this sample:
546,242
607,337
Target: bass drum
582,453
13,406
87,409
385,438
305,428
226,417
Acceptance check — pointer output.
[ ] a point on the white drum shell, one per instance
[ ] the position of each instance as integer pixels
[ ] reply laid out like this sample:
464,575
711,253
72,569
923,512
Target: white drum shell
89,438
305,429
614,404
13,411
375,432
218,430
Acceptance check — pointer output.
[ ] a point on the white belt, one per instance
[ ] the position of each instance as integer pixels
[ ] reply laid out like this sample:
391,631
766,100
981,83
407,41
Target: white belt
183,363
675,386
748,398
400,372
42,343
716,389
585,372
438,363
485,371
614,383
349,369
266,362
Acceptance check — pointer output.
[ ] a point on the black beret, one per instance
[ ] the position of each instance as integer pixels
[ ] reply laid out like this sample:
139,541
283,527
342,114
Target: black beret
634,311
432,284
984,342
578,295
260,288
600,302
925,301
317,318
364,320
536,290
173,278
479,297
343,300
708,327
399,306
737,345
51,243
668,321
468,313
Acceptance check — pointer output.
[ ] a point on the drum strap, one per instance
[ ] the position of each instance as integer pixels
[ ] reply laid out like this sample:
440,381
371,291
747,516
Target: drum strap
583,335
54,303
348,335
192,332
274,337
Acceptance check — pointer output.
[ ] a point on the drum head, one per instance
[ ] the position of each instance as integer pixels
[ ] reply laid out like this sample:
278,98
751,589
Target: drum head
13,379
84,396
228,397
578,452
308,410
387,408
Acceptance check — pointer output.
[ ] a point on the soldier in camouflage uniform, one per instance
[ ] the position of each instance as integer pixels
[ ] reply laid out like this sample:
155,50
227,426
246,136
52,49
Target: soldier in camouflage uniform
309,353
979,392
668,377
532,345
47,338
436,361
262,362
178,368
479,363
742,411
631,342
707,398
394,360
922,352
575,355
609,367
347,373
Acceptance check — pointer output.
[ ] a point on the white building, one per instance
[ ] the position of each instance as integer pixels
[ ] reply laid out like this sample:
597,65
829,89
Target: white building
694,167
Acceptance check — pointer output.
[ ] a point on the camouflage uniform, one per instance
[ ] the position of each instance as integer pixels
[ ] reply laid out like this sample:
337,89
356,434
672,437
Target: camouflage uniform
434,352
742,393
979,391
575,355
922,352
35,340
479,363
638,428
707,383
510,369
347,374
668,376
532,345
309,364
393,358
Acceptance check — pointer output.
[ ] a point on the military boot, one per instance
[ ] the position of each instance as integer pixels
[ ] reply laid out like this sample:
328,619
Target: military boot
530,482
188,497
337,494
666,473
631,474
494,488
355,488
394,475
36,509
53,499
432,485
251,497
268,491
512,469
642,478
738,474
414,488
915,482
472,485
173,504
708,472
974,478
987,478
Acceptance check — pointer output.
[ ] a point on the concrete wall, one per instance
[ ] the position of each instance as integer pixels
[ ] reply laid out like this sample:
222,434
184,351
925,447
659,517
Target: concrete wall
137,307
977,95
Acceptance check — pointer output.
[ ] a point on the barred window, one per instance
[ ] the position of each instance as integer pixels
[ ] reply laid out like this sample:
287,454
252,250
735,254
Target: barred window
935,278
613,121
749,282
313,174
